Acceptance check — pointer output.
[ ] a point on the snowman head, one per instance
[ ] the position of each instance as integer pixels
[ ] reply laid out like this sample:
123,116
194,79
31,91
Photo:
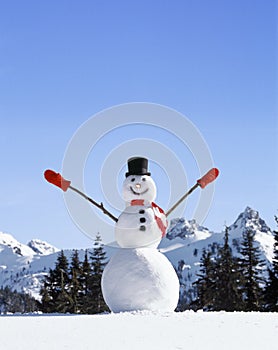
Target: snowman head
139,187
138,183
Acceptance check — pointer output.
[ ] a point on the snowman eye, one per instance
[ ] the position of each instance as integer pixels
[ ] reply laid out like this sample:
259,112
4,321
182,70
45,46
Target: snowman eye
143,179
133,179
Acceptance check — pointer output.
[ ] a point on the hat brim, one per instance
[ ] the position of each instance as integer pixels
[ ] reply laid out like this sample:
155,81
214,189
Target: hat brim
144,173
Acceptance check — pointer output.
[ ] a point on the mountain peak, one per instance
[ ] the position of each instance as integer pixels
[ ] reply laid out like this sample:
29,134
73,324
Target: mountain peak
251,213
250,218
41,247
8,241
187,229
34,247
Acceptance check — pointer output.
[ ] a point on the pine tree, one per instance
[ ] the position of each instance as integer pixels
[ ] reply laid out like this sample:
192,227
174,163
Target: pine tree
85,277
206,282
55,291
251,265
62,280
98,262
228,296
47,293
75,291
271,290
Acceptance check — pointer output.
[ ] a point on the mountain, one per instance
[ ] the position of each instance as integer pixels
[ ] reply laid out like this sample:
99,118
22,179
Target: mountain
41,247
188,240
23,267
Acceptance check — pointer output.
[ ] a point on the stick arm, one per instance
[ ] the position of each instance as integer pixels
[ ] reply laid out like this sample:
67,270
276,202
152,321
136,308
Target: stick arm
181,199
209,177
99,205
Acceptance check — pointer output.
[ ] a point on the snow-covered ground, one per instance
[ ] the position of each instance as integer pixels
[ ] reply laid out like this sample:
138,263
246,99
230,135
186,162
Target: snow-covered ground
132,331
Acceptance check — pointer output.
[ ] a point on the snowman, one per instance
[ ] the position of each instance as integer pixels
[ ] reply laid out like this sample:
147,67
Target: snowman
138,276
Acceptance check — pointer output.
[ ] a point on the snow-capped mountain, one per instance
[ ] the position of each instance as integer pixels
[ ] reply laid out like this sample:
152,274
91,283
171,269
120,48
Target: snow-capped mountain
251,220
23,267
7,241
188,240
42,247
187,230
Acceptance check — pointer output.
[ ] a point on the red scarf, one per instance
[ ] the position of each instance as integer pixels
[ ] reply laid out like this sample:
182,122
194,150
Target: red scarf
157,210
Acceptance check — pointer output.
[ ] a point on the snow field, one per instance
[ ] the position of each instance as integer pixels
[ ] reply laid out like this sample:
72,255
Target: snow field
141,330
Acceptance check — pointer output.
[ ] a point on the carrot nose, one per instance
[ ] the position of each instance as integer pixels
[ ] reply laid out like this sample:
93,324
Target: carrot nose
138,186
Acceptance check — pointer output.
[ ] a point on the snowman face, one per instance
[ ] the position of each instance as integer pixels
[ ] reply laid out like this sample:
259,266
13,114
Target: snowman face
139,187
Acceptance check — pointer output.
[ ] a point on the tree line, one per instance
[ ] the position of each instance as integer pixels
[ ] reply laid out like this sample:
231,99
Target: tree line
70,287
224,282
12,301
235,283
75,286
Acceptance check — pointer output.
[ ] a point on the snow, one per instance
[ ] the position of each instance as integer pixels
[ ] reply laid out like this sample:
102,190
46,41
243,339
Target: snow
23,267
141,330
18,248
140,279
128,233
41,247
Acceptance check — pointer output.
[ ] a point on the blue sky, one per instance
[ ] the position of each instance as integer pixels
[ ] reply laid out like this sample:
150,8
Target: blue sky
63,61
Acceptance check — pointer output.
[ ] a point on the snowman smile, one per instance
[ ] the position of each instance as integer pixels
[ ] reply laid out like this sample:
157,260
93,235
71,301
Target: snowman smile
138,193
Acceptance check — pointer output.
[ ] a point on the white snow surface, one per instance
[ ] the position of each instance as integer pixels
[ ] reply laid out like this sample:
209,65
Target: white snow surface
141,330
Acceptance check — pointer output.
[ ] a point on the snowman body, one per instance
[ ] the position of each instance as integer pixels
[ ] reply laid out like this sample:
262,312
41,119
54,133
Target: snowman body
142,223
140,279
136,227
138,276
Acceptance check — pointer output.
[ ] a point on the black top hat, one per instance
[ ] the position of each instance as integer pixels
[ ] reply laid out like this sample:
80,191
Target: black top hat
137,166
